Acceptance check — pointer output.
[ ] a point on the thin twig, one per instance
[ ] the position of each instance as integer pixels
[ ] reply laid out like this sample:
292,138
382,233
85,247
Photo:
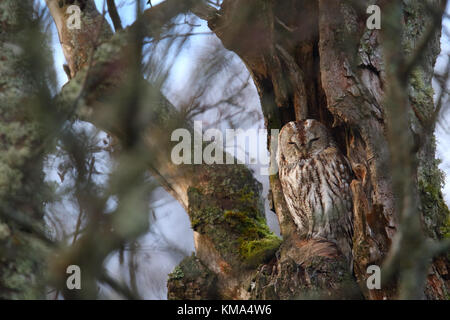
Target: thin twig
112,10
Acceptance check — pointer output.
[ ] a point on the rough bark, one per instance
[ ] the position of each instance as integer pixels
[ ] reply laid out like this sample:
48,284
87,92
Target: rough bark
22,190
317,59
308,59
223,202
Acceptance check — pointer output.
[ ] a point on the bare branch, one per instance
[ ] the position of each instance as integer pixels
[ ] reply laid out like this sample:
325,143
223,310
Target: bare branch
112,10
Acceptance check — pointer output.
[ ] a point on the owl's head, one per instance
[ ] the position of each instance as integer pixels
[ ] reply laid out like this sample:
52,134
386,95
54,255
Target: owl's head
302,140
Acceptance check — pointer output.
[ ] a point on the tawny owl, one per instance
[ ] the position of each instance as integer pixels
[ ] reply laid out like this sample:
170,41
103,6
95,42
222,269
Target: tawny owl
315,180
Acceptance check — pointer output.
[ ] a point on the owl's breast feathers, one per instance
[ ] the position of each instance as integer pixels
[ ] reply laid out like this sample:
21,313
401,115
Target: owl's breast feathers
318,196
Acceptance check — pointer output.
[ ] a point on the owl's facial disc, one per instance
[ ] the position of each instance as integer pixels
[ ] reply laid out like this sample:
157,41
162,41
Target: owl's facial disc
292,148
302,140
303,148
297,149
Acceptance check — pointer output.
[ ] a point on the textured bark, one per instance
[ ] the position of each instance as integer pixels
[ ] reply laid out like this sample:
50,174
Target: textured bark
316,59
22,191
223,202
308,59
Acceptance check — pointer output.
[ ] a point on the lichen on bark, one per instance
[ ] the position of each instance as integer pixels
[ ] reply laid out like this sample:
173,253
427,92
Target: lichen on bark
430,178
22,189
191,280
228,209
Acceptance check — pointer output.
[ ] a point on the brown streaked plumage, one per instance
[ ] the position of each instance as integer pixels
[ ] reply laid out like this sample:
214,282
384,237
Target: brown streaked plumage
315,178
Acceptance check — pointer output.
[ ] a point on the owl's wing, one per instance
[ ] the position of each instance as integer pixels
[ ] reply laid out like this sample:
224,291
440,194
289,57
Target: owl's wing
337,177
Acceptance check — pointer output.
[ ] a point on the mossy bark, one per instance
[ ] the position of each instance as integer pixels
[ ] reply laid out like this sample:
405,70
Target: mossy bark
22,189
223,201
312,59
192,280
318,60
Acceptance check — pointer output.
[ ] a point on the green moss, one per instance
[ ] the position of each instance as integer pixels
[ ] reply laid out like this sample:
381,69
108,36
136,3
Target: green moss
430,182
229,210
445,229
435,211
421,94
176,274
255,252
256,243
23,278
417,20
191,279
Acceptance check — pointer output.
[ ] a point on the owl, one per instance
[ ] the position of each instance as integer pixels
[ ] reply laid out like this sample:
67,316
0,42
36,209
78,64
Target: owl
315,179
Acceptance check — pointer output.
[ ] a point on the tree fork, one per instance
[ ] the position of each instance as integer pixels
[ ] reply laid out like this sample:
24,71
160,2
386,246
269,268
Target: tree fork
224,204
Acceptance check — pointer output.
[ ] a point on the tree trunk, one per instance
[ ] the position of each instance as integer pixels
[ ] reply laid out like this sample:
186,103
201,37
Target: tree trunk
23,94
308,59
317,59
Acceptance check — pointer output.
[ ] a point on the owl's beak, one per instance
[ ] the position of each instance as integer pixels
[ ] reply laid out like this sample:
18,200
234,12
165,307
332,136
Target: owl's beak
300,147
